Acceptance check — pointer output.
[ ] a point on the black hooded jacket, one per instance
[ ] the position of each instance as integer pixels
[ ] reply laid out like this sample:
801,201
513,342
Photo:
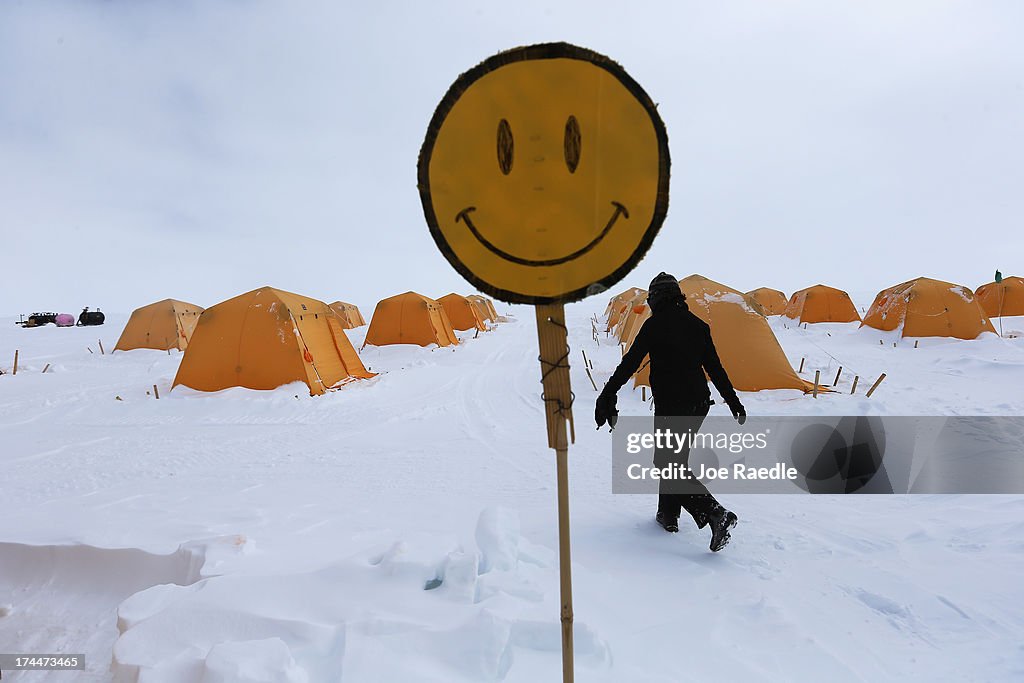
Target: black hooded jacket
681,350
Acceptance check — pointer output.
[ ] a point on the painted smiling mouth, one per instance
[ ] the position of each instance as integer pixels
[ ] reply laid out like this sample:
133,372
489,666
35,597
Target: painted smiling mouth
463,216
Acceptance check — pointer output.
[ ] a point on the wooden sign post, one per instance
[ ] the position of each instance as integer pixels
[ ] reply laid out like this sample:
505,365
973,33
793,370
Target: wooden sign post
544,179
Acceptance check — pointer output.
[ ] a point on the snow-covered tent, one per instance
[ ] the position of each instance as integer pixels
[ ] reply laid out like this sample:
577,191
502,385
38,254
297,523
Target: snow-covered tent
928,308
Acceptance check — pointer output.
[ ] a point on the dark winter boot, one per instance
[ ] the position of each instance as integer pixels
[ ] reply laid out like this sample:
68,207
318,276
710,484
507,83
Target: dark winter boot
667,522
722,521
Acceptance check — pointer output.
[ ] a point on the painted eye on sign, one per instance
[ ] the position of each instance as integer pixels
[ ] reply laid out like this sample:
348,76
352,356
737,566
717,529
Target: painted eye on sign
544,174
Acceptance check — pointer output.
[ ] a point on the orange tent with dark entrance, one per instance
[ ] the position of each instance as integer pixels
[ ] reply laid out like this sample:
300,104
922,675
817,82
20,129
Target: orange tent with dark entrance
772,301
462,313
164,325
410,318
1002,298
928,308
266,338
746,345
821,304
348,314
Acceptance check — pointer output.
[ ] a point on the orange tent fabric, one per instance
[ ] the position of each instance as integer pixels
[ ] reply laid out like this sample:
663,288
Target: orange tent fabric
619,298
624,311
348,314
928,308
484,306
697,282
746,345
1002,298
410,318
821,304
772,301
481,308
631,322
268,337
462,314
622,304
163,325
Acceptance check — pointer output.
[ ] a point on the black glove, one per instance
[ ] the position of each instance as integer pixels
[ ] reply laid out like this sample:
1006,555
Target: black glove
605,411
737,411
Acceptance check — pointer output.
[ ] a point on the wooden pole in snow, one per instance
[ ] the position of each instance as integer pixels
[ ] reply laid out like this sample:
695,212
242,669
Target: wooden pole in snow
15,371
875,385
46,368
156,392
817,378
100,342
801,365
855,380
554,359
836,383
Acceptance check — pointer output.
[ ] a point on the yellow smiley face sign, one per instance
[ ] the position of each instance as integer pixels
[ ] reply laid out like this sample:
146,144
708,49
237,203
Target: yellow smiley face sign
544,174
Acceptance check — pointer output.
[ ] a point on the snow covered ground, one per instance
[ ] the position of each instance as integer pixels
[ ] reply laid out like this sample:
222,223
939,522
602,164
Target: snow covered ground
403,528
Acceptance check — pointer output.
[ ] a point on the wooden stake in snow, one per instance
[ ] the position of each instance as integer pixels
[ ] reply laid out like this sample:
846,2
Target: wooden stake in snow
586,361
643,394
89,349
15,371
801,365
46,368
875,385
554,355
100,342
591,378
836,383
856,378
817,378
156,392
915,342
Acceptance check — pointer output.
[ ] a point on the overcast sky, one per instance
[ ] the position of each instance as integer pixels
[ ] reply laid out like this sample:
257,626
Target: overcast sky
197,150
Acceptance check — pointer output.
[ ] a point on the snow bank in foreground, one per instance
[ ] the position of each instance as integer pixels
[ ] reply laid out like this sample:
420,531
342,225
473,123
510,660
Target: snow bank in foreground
422,608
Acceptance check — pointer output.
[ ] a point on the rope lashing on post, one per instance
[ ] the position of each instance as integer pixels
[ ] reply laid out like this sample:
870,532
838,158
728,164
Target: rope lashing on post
548,367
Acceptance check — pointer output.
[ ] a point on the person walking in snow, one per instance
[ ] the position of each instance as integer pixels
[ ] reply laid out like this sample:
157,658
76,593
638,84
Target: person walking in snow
681,351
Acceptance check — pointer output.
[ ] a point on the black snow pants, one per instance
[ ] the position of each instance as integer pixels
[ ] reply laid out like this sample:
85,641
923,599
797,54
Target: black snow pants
700,504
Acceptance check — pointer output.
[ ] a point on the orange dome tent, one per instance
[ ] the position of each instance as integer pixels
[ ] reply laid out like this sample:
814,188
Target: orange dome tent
620,298
410,318
163,325
1002,298
266,338
631,323
746,345
622,303
624,310
484,307
489,303
772,301
348,314
821,304
928,308
462,313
